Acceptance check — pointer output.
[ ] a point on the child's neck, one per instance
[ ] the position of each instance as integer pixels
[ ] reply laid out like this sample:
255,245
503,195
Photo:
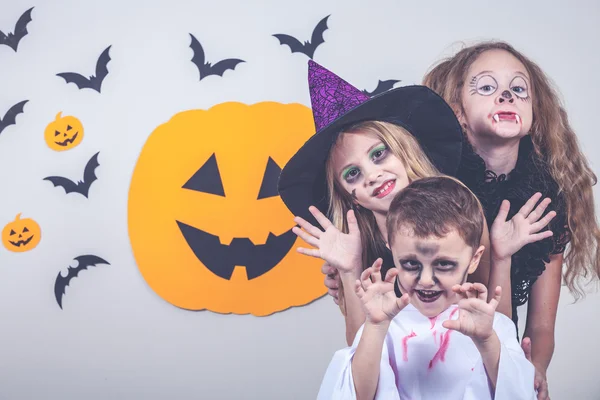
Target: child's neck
500,156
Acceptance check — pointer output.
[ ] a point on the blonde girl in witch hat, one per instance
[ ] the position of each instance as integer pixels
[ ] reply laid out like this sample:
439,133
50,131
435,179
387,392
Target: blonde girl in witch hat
365,151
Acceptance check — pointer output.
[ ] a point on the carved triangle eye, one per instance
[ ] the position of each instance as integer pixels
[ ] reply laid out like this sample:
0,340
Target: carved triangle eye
268,187
207,179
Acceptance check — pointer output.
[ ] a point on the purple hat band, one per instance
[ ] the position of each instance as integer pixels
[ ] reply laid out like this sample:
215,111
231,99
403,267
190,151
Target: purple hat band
330,96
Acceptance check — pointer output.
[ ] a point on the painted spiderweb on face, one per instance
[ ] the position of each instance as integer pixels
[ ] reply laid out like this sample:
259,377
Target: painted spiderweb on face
330,96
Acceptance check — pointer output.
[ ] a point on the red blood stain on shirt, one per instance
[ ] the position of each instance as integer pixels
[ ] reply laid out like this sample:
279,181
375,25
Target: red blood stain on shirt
405,345
440,355
453,312
432,320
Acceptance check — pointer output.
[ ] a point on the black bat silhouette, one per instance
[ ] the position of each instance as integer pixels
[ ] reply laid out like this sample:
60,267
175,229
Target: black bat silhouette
12,40
382,86
205,68
307,48
94,81
81,187
62,282
11,115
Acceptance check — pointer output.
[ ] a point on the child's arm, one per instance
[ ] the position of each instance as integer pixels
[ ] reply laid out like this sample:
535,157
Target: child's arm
476,320
365,364
354,313
541,319
348,303
342,251
507,371
380,306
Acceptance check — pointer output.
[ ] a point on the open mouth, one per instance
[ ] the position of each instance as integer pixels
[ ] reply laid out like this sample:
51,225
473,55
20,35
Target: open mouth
67,141
221,259
21,242
428,296
384,189
507,116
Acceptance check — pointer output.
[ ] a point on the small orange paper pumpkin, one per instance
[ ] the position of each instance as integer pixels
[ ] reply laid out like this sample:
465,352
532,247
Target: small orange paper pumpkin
63,133
206,224
22,234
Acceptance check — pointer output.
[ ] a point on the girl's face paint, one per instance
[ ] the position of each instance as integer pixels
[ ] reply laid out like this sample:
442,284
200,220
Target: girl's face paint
368,170
429,267
497,98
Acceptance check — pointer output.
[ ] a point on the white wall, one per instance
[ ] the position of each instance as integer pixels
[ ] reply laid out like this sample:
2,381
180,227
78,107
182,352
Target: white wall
116,338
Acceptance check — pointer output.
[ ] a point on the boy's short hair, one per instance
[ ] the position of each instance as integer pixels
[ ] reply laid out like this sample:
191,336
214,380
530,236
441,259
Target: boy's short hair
433,207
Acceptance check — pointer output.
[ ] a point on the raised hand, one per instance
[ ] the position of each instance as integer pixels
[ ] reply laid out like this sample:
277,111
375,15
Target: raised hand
475,314
508,237
342,251
540,382
377,296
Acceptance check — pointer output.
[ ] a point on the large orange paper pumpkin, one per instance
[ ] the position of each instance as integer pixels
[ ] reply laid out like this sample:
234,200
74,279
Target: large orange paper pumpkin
22,234
207,227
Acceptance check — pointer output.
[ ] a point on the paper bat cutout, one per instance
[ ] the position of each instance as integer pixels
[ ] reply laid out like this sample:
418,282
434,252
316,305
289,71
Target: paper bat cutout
12,40
205,68
94,81
307,48
382,86
62,282
81,187
11,115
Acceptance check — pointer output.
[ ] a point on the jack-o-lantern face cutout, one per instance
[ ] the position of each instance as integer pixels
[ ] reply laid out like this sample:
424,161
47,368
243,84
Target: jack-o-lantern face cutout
207,226
63,133
22,234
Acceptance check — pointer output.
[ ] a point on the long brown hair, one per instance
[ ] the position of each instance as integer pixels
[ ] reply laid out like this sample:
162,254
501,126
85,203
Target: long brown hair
552,138
406,148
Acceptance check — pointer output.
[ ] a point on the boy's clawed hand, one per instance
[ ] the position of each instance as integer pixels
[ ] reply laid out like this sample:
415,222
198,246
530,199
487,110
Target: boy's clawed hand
475,314
377,296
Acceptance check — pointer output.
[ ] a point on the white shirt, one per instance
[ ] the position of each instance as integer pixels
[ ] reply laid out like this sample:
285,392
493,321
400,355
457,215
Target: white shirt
422,360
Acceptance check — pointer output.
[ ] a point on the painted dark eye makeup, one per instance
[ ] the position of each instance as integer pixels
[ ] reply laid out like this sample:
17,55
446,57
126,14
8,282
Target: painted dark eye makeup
485,85
410,265
378,153
519,87
445,265
350,174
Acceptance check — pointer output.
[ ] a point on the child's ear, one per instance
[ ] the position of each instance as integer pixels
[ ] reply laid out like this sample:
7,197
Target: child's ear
475,259
460,115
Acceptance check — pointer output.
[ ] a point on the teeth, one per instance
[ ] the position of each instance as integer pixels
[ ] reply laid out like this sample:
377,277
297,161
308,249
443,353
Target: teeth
518,118
387,185
496,118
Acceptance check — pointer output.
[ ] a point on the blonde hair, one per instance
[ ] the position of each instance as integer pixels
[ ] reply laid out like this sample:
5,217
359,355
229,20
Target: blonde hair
406,148
552,138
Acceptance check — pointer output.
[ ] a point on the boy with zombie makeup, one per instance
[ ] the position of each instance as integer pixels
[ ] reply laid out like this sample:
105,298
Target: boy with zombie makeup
442,339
